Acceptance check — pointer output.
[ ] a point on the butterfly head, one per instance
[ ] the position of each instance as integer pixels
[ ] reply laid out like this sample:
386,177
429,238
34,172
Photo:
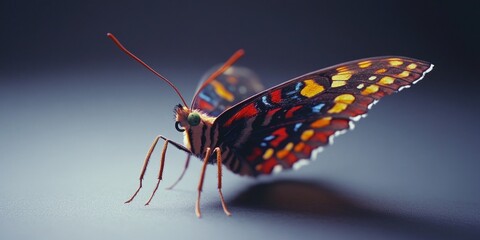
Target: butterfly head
190,119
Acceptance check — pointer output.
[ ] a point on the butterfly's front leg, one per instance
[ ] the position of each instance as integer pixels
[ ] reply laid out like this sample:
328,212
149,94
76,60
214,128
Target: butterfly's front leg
160,172
147,160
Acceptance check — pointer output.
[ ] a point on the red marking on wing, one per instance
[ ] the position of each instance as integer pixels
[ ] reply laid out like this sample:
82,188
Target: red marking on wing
352,112
249,110
291,158
339,124
363,101
382,93
281,134
307,150
268,165
276,96
322,136
292,110
204,105
273,111
246,112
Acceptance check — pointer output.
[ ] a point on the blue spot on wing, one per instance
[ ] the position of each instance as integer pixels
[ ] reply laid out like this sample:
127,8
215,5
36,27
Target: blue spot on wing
293,92
297,126
205,97
265,101
297,87
318,107
268,138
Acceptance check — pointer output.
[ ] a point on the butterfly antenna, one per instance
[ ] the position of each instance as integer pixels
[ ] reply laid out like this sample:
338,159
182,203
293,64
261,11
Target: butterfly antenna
237,55
115,40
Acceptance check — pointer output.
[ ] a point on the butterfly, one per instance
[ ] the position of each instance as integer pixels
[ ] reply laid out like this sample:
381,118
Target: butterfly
233,122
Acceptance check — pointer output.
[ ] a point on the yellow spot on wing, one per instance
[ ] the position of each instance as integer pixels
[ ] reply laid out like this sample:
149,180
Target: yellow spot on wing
341,77
381,70
322,122
345,98
338,83
338,107
403,74
412,66
342,69
282,153
221,91
268,153
311,88
370,89
395,62
307,134
289,146
386,80
364,64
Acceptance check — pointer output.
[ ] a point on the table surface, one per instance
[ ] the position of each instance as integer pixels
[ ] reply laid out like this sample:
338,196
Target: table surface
70,154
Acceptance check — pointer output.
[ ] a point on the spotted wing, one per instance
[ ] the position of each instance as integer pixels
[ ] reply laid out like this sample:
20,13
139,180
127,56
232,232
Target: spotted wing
231,87
282,127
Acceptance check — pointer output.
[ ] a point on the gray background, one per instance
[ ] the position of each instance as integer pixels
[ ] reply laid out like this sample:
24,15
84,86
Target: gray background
77,117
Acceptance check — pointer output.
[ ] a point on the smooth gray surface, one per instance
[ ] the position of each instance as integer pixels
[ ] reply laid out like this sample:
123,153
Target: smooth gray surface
77,117
70,158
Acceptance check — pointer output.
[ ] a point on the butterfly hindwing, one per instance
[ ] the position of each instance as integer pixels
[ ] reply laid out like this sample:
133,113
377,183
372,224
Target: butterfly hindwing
231,87
277,128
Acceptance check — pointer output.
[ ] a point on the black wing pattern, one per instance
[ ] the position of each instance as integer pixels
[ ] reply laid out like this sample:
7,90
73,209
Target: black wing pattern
282,127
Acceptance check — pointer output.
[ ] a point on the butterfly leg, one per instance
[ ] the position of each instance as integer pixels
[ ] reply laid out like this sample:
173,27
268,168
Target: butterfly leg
147,160
144,168
162,164
219,165
200,184
160,172
181,175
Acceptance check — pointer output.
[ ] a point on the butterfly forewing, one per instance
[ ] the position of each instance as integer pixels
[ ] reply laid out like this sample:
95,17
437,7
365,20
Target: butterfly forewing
231,87
277,128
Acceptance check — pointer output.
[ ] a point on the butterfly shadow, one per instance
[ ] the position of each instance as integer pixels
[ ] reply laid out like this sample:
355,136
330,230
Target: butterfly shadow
319,202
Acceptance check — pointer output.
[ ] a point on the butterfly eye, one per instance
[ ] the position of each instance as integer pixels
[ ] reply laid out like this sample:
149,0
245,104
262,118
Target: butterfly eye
193,119
179,127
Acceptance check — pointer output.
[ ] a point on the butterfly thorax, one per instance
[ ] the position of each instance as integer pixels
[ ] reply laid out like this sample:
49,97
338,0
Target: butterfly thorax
198,128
